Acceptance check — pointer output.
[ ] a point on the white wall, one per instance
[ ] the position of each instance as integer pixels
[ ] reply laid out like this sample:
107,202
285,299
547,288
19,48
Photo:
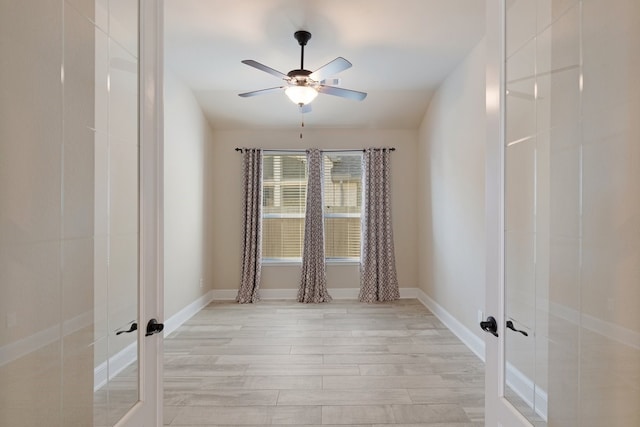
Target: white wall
186,209
226,166
451,192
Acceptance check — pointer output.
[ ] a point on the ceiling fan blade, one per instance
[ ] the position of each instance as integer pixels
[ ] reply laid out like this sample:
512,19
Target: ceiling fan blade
262,67
344,93
330,69
260,92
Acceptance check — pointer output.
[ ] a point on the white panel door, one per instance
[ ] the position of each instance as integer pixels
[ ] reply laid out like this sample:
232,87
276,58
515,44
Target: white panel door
499,409
147,409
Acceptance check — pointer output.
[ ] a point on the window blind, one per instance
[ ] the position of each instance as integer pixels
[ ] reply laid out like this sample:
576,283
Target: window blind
284,200
342,204
283,205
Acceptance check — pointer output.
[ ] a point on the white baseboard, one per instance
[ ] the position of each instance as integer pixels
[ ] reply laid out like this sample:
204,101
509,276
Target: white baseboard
118,362
224,294
409,293
344,293
471,340
292,294
175,321
527,390
522,385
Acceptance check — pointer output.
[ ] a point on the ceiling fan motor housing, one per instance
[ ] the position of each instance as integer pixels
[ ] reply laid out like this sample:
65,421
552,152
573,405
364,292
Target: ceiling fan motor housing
300,77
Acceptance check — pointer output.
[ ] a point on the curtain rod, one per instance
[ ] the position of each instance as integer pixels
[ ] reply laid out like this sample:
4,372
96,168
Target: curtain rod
293,150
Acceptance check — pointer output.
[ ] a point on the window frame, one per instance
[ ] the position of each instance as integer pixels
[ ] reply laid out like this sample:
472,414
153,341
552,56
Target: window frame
298,260
325,214
281,260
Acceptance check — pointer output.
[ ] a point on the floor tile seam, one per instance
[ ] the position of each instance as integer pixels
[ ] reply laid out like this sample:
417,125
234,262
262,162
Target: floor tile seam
417,401
384,405
232,407
409,389
402,400
387,407
322,416
350,390
456,387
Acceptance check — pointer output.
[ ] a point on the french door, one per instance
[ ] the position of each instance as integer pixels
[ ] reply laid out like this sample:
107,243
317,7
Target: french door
80,213
147,405
128,249
511,218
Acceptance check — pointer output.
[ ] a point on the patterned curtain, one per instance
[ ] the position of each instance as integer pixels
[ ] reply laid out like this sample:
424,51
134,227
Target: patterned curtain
313,285
251,227
378,280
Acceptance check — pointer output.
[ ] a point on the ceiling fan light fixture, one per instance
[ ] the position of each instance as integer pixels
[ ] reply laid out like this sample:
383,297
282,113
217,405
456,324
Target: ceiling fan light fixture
301,95
301,85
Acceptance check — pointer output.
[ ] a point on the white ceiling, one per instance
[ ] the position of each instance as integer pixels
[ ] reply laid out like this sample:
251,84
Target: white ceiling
401,50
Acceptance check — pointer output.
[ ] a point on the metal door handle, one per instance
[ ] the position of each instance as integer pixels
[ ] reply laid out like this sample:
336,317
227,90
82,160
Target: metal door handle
133,327
153,327
490,325
510,326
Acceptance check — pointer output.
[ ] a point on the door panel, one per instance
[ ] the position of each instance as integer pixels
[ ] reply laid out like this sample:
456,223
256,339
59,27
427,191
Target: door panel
71,260
562,262
116,388
525,217
511,204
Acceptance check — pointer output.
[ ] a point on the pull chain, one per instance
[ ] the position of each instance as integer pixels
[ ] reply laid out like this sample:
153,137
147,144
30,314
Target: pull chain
301,121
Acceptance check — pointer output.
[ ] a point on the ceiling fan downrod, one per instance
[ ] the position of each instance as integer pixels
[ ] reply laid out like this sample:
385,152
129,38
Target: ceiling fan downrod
303,37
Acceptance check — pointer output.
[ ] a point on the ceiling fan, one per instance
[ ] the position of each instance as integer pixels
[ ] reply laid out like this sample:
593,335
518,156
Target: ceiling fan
302,86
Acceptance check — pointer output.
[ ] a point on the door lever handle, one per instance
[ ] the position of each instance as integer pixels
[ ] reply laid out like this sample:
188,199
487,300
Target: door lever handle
153,327
510,326
490,325
133,327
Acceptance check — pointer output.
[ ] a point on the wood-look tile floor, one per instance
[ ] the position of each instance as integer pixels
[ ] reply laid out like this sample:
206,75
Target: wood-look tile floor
343,363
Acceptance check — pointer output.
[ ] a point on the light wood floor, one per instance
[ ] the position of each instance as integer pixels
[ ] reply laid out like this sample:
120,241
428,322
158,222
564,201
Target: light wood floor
343,363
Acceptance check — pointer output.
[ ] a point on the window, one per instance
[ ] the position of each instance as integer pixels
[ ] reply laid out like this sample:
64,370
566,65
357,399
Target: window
284,198
284,186
342,205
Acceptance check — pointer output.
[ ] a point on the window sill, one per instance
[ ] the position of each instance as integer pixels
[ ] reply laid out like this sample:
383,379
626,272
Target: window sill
343,262
298,263
287,263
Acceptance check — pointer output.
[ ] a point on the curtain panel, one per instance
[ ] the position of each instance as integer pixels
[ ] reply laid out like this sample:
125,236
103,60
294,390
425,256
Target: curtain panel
251,227
313,284
378,278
